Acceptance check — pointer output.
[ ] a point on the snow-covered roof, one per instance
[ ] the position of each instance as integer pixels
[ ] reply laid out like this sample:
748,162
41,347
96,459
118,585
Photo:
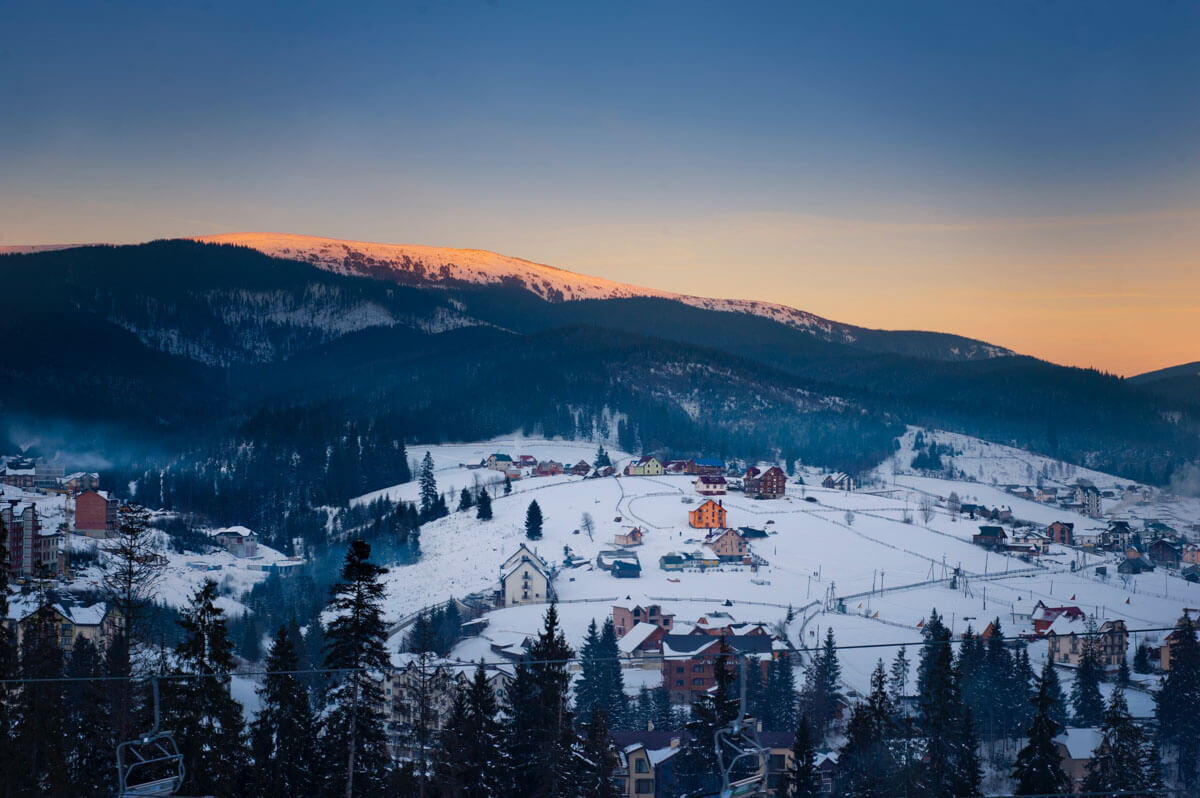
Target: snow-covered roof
1080,743
240,531
635,637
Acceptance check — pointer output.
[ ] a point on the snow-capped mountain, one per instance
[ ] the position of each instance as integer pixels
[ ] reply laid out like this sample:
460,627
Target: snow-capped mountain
411,264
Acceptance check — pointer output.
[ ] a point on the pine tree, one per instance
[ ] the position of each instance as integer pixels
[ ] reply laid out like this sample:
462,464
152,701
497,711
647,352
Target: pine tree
91,750
805,781
599,758
207,720
588,690
533,521
1086,701
951,768
483,505
507,485
1038,768
865,763
822,680
1177,705
1058,701
41,722
1123,675
428,486
614,701
354,739
465,500
1124,762
781,690
697,768
898,677
283,734
469,760
1141,658
602,459
8,670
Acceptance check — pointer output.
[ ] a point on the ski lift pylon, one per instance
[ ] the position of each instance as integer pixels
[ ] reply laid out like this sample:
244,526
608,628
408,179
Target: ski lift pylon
150,765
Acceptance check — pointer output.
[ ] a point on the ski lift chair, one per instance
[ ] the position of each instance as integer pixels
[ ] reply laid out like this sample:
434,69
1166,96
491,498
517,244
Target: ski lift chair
152,764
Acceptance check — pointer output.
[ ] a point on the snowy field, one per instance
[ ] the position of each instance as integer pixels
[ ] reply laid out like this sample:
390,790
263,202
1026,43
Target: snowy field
815,550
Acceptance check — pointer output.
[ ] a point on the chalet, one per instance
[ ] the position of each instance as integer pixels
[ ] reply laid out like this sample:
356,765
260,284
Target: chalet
1046,496
524,579
96,514
1191,573
606,471
710,515
527,461
1075,748
79,482
1030,542
627,568
727,544
1067,640
548,468
990,537
1043,616
678,561
707,485
646,466
770,484
581,469
646,762
96,623
631,538
1189,554
1159,529
19,473
839,481
32,550
1118,535
627,614
1134,565
1165,553
673,561
706,465
237,540
1062,533
641,642
500,462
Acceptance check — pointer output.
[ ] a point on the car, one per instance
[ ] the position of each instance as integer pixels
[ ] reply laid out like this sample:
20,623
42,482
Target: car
812,499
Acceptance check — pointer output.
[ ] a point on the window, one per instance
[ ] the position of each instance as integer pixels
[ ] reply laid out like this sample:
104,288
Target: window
679,669
698,682
643,787
641,766
697,669
679,682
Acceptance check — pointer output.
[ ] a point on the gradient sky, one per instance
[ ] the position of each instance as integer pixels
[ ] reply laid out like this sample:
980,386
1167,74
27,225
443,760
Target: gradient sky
1025,173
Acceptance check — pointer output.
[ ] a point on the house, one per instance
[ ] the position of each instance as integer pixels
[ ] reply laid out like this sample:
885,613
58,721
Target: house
548,468
627,568
631,538
524,579
19,472
646,466
80,481
32,550
500,462
69,621
1043,616
675,467
839,481
1191,573
645,762
770,484
1134,565
1165,553
1088,499
1062,533
688,665
678,561
1164,652
627,614
1119,533
96,513
1190,554
1046,496
238,541
1031,542
752,533
707,485
527,461
706,465
1075,747
1089,538
990,537
710,515
1067,642
410,685
581,469
727,544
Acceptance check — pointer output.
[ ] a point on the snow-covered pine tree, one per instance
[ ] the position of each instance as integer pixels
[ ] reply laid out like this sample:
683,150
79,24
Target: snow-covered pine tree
1125,761
951,766
822,680
207,720
353,739
866,766
91,746
428,487
898,676
1038,768
468,763
599,758
283,733
588,688
615,702
1086,701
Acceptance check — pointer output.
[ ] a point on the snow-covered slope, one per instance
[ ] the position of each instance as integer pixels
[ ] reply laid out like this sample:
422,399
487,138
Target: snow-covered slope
422,265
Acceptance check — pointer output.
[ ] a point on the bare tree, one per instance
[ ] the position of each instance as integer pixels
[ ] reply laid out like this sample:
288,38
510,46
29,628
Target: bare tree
131,569
849,518
953,505
589,526
926,507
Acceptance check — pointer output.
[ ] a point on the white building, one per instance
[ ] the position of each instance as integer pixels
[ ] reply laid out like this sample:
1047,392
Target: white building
524,579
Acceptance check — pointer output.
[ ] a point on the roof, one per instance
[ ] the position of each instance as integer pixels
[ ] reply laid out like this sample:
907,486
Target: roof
635,637
240,531
502,458
1080,743
992,531
711,480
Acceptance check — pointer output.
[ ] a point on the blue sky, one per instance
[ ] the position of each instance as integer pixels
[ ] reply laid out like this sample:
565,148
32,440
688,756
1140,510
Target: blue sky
661,143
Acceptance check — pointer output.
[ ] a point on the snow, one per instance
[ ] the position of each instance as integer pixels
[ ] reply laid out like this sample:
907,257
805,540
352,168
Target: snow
812,552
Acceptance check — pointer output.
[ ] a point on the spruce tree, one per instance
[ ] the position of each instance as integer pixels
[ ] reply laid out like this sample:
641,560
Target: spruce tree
354,739
92,747
865,763
1124,762
466,500
602,459
283,734
470,756
507,485
951,767
8,670
781,692
1038,768
1177,705
599,758
588,689
207,721
533,521
614,700
898,677
1086,701
428,488
664,717
483,505
822,680
1058,701
41,721
805,780
1141,658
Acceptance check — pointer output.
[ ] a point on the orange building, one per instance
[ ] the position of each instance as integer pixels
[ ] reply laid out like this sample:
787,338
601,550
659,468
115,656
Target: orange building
710,515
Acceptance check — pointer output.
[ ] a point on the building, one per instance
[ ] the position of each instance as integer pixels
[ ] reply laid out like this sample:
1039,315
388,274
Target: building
32,550
1068,640
1030,542
727,544
631,538
1164,651
419,694
96,623
1165,553
238,541
581,469
548,468
1088,499
710,515
1043,616
500,462
96,513
524,579
992,537
770,484
708,485
1075,747
1134,565
628,613
80,481
626,567
706,465
689,661
645,762
644,467
839,481
1062,533
526,461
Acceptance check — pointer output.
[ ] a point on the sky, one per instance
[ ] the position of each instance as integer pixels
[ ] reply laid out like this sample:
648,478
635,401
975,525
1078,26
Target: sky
1027,173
